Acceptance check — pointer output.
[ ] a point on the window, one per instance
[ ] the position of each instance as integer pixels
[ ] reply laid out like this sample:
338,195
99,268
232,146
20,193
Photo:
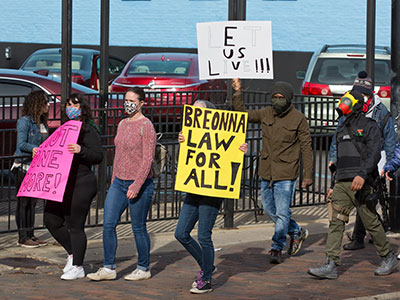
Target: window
167,67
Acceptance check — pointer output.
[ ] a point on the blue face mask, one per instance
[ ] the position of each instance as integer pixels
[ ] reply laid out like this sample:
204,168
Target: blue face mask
73,113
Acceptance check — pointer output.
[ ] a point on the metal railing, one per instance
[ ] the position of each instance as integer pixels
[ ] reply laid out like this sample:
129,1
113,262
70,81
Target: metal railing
165,110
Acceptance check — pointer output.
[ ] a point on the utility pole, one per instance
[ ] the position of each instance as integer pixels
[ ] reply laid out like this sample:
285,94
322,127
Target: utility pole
103,77
237,12
394,205
370,62
66,50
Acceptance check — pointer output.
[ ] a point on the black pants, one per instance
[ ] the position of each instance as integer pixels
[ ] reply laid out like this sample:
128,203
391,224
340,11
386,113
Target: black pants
25,211
66,220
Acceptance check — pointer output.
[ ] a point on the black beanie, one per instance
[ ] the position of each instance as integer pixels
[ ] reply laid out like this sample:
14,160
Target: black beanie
284,88
363,83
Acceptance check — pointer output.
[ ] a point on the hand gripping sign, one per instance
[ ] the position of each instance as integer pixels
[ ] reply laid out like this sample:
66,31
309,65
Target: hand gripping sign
210,162
235,49
48,173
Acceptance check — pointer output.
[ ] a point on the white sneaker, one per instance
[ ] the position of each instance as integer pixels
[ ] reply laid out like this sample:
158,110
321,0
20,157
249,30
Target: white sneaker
68,265
138,275
398,256
75,272
103,274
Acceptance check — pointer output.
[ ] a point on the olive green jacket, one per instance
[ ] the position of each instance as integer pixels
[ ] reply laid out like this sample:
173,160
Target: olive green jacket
284,137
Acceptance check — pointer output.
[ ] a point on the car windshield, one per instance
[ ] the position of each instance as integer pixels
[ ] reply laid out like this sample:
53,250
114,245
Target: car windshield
343,71
159,67
53,62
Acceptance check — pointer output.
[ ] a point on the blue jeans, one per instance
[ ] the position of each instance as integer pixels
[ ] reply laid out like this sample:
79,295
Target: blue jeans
206,215
116,203
276,200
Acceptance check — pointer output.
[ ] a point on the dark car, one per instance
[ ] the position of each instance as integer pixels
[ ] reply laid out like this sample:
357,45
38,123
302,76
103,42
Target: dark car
14,86
85,65
168,78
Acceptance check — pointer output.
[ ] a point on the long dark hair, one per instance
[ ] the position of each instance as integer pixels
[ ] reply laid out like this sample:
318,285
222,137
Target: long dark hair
86,114
86,111
33,107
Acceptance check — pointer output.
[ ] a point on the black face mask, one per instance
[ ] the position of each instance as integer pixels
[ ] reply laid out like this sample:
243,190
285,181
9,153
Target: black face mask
279,105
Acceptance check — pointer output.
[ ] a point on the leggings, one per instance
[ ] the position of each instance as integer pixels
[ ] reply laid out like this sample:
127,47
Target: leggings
66,220
25,211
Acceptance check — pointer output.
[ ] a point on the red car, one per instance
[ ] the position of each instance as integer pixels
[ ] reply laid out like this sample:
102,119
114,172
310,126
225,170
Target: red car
85,65
168,78
14,86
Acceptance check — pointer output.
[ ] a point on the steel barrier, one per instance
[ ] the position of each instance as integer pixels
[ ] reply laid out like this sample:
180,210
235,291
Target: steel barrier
165,110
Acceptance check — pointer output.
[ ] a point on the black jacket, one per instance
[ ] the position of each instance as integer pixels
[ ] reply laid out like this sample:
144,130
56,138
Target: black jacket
366,134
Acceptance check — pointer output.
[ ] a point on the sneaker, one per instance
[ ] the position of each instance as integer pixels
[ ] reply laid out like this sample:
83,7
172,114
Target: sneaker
40,242
200,275
327,271
398,256
275,256
296,243
388,265
68,265
75,272
202,287
138,274
103,274
28,243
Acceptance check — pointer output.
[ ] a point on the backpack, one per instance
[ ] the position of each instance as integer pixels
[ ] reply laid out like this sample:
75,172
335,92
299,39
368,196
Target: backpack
160,156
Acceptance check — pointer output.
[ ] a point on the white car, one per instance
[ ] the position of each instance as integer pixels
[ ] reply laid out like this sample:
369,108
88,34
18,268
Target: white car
331,73
332,70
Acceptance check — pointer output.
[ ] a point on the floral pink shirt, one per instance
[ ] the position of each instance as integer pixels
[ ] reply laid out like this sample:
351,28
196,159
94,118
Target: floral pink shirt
135,144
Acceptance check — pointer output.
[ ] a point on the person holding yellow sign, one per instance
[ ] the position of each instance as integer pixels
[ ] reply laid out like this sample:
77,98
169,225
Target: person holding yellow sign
204,210
286,135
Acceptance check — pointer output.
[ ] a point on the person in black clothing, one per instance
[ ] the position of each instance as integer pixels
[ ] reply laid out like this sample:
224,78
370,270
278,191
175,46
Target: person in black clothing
66,220
358,152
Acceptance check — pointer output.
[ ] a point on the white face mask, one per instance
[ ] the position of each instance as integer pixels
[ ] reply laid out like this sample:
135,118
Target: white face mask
130,107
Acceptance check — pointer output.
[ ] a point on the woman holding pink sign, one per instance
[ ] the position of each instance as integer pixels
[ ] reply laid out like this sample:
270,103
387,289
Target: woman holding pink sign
66,220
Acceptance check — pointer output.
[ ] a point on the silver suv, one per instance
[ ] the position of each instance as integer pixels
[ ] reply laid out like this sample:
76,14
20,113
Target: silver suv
332,70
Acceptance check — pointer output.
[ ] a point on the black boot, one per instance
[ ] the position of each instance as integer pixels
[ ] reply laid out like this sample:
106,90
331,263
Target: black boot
327,271
353,245
388,265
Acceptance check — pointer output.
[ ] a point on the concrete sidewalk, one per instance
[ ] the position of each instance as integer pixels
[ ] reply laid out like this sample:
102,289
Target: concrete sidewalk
241,258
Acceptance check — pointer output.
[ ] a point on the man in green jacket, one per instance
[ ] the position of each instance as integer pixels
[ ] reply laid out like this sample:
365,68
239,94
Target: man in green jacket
286,135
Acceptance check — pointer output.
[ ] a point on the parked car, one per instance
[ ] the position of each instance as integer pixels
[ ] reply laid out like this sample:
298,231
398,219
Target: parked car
161,74
14,86
331,72
333,68
85,65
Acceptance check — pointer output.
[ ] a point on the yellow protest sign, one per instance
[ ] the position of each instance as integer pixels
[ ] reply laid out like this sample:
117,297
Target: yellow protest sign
210,162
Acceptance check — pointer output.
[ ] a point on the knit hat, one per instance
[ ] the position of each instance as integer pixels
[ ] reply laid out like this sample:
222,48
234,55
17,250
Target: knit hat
363,83
284,88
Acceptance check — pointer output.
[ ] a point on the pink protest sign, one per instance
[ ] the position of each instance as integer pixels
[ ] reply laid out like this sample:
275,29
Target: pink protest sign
48,174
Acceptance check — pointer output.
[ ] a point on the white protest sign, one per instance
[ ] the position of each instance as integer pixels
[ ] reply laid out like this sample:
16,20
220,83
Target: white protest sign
235,49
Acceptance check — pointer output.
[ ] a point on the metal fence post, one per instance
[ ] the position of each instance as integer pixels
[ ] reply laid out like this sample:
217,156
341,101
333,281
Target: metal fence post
236,11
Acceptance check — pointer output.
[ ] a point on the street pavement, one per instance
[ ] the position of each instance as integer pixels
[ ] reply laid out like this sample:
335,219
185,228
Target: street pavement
241,256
